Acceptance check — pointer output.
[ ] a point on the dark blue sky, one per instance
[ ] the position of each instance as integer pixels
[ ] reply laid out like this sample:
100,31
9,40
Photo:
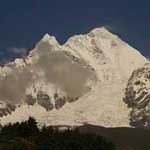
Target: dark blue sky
24,22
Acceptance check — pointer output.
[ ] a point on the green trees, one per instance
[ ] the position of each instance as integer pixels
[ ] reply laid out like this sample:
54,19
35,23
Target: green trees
27,136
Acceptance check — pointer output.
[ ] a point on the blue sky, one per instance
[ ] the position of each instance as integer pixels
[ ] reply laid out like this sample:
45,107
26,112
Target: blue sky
23,23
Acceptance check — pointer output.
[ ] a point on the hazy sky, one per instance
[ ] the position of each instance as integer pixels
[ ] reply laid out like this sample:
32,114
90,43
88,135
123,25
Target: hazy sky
24,22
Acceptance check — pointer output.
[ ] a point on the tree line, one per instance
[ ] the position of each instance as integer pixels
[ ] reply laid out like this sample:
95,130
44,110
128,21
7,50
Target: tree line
27,136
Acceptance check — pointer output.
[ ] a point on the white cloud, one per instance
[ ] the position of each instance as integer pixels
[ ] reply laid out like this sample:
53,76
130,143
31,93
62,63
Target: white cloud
18,51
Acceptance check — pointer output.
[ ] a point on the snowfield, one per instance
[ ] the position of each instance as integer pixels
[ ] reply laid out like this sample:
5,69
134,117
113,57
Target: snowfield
112,62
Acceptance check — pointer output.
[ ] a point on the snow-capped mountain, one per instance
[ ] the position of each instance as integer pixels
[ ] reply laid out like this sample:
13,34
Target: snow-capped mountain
81,81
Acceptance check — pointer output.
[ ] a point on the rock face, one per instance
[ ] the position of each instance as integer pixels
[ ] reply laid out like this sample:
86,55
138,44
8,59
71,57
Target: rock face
81,81
137,96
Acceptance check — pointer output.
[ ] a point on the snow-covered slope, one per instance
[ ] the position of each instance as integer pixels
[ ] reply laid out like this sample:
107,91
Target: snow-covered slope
81,81
109,55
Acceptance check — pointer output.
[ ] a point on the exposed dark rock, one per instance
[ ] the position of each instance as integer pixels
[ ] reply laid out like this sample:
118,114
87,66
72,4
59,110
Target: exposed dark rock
72,99
11,107
6,109
30,100
59,102
137,82
137,96
44,100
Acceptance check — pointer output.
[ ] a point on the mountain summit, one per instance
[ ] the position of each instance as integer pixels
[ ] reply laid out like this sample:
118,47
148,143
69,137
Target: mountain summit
48,38
81,81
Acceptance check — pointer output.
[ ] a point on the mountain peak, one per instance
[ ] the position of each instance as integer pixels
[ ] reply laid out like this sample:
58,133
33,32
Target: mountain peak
104,29
102,32
46,37
50,39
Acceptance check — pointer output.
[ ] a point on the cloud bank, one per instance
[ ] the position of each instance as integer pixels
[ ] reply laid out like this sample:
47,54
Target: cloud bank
55,67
